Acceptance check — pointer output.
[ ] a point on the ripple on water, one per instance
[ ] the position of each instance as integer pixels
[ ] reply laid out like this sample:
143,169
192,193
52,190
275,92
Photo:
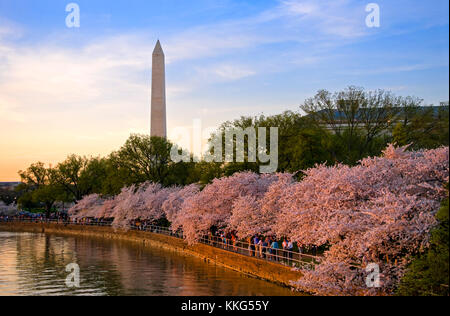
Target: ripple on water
35,264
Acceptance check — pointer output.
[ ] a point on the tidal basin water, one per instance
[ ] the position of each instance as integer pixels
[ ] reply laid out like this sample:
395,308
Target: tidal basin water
35,264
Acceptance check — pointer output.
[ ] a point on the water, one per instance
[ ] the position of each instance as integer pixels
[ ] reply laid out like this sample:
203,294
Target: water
34,264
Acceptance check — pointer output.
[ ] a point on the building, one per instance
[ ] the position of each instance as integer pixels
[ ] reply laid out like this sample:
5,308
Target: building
9,185
338,120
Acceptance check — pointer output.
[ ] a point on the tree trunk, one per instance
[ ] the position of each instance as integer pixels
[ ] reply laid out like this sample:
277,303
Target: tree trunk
48,209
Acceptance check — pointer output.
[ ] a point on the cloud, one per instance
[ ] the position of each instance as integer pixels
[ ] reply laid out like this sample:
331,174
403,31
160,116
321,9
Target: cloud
8,29
395,69
290,21
211,41
300,8
52,89
8,112
47,75
333,20
232,72
224,72
41,78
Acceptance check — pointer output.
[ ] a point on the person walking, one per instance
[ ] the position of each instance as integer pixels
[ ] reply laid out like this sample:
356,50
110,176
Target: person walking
269,248
275,251
290,249
250,246
284,245
234,241
228,238
256,244
260,247
265,246
224,240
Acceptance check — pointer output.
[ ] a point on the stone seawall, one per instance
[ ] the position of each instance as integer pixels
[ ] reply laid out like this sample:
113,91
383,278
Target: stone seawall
248,265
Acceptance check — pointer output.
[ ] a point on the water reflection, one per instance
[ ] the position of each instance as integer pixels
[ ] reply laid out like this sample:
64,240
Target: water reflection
34,264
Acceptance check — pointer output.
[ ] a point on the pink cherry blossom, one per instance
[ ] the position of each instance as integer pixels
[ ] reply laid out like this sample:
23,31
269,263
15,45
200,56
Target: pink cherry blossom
213,206
88,207
379,211
172,206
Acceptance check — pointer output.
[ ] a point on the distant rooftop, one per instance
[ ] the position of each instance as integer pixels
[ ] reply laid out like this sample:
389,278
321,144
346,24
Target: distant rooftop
339,115
9,184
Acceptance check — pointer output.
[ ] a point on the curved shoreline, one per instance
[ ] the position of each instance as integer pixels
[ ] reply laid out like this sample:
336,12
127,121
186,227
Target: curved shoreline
255,267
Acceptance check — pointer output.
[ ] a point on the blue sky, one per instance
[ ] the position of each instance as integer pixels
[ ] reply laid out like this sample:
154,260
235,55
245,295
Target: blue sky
85,89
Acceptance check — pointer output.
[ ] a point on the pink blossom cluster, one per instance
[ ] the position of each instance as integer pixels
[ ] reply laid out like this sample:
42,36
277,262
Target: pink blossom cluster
144,202
89,206
173,205
214,205
380,211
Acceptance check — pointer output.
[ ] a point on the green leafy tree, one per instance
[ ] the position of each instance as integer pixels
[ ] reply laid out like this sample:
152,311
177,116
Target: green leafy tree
117,176
301,144
93,175
422,127
428,275
182,173
204,172
356,118
39,188
69,175
145,158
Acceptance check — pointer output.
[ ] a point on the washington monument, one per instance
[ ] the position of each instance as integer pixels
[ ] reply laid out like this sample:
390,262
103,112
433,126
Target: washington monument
158,112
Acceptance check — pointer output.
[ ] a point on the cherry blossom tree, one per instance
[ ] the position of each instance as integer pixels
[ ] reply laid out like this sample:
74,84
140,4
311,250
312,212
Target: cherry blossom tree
88,207
380,211
256,214
122,205
213,206
107,209
172,206
154,200
140,203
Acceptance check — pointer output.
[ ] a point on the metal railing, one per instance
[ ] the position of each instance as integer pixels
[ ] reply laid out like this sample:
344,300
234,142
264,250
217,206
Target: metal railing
56,221
264,252
279,256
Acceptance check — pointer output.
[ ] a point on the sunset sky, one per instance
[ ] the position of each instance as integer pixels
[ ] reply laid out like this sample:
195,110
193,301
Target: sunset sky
84,90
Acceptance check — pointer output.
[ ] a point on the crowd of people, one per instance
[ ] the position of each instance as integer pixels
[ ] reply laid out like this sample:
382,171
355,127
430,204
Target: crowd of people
35,217
263,247
144,225
90,221
268,248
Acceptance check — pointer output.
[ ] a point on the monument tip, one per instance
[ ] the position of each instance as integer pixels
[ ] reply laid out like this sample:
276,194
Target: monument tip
158,48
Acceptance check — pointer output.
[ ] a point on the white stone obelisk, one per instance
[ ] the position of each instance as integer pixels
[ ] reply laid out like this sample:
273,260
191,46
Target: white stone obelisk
158,112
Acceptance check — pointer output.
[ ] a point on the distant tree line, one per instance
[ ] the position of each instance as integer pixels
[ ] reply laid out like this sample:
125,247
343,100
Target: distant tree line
341,127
